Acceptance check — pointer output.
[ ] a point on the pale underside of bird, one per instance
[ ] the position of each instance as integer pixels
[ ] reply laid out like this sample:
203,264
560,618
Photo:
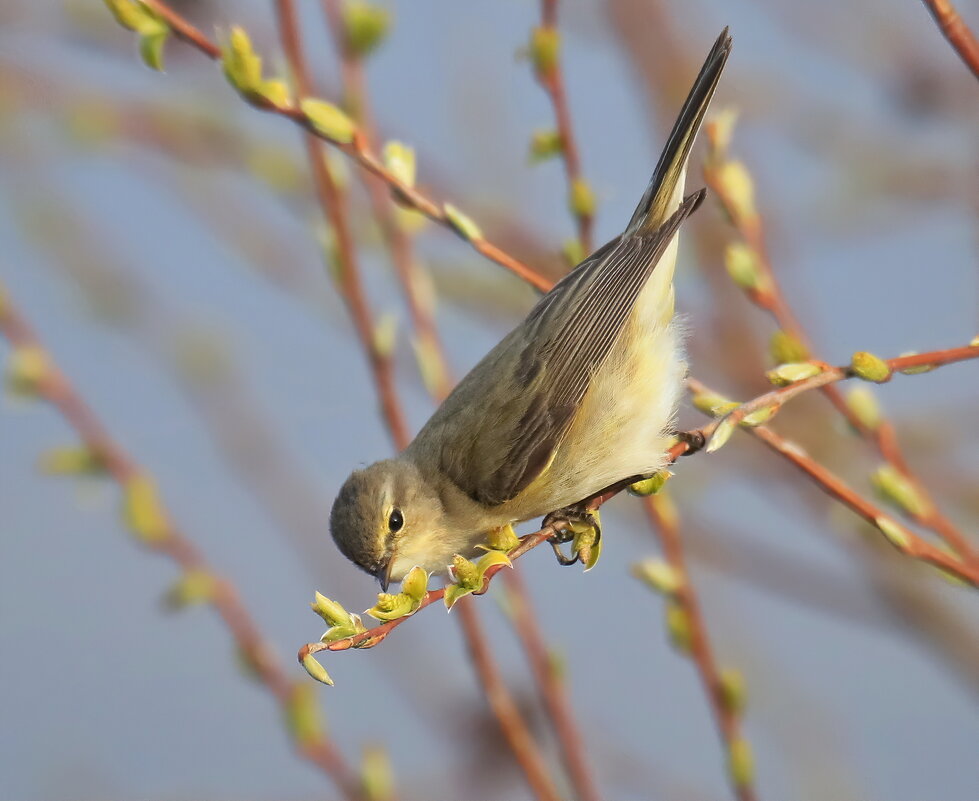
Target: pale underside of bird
581,395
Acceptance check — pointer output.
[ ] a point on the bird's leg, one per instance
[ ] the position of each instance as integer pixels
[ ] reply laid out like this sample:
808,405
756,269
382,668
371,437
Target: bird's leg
581,527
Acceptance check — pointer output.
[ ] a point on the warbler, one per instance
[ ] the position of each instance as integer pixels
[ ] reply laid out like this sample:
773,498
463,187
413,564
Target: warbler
581,395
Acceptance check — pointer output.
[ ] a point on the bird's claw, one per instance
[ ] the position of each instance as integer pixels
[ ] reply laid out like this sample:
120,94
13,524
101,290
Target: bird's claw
582,528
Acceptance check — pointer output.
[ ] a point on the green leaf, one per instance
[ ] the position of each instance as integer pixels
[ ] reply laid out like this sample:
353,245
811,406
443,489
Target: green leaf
151,48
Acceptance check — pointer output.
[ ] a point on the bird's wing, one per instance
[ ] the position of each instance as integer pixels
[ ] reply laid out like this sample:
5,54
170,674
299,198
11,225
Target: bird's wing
499,430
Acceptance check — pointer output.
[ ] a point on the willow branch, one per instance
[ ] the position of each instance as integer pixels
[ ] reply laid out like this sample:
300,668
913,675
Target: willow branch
727,720
361,153
768,295
551,78
170,541
334,209
958,34
899,535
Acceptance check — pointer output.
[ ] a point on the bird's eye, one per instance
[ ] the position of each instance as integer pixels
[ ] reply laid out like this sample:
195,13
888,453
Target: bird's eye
396,520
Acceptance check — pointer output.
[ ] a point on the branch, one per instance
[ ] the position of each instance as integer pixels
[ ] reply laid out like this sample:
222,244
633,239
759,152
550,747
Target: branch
359,150
154,527
545,52
958,34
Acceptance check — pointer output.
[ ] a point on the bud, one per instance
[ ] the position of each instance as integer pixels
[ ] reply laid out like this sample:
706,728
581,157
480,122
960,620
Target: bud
743,266
545,47
678,626
503,539
470,577
143,512
786,374
399,159
461,224
786,348
658,575
738,190
193,587
365,25
151,42
328,120
376,775
573,252
869,367
71,461
732,690
385,335
545,144
430,365
303,714
651,485
587,544
713,404
581,199
719,130
242,67
897,488
464,572
415,584
27,370
862,402
331,612
921,368
896,534
316,670
760,416
721,435
741,762
276,92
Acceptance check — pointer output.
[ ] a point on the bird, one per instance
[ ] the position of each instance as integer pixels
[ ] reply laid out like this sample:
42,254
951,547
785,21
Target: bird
582,394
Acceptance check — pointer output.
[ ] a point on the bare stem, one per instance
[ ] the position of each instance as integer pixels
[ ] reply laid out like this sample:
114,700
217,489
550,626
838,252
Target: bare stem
959,35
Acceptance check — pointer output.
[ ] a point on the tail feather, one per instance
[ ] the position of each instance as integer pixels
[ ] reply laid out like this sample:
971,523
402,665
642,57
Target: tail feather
665,188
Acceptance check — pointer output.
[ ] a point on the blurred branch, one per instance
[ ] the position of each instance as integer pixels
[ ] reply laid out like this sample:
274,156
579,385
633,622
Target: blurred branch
359,150
153,527
727,715
545,49
958,34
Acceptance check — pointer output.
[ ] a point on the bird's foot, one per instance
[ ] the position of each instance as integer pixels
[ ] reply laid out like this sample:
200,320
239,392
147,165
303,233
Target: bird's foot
695,440
582,528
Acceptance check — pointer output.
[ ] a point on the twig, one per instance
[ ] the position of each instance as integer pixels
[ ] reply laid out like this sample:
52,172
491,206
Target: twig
334,209
769,296
551,78
505,709
170,541
953,28
900,536
551,688
398,240
727,720
360,152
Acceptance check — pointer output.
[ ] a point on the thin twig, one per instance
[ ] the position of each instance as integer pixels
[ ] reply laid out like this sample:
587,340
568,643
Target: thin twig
728,722
360,152
769,296
959,35
552,81
334,209
55,387
900,536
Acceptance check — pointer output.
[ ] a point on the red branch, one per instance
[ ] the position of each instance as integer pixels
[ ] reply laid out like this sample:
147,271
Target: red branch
953,28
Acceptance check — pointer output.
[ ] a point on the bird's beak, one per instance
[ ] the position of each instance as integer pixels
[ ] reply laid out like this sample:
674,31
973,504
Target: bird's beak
383,574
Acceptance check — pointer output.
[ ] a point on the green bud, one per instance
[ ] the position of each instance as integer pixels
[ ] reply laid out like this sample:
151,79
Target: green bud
786,374
503,539
786,348
738,189
894,486
415,584
366,26
721,435
151,46
464,571
678,626
430,364
71,461
332,613
863,403
581,199
143,512
760,416
974,342
316,670
545,48
923,368
869,367
658,576
461,224
302,712
386,335
741,762
663,505
587,545
651,485
27,370
743,266
376,775
732,690
392,607
127,13
328,120
470,577
574,252
275,91
193,587
399,159
896,534
242,67
545,144
719,130
714,405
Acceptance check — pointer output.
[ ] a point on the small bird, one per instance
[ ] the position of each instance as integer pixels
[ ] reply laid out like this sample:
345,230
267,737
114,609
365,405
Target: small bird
581,395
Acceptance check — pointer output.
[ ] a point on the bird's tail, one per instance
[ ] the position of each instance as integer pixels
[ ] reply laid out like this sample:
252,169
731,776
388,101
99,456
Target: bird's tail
665,188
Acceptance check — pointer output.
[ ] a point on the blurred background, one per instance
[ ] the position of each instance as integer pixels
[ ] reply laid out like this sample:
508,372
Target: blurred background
162,237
